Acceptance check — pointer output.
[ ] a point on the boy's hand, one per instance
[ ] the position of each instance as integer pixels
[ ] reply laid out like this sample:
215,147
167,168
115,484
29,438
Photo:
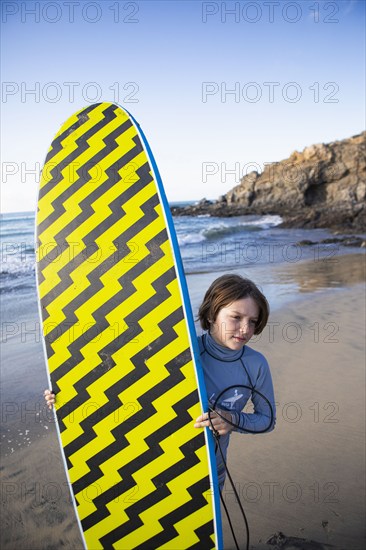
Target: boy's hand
50,398
217,422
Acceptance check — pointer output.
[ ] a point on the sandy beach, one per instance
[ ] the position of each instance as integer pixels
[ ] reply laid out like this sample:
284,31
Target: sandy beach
305,479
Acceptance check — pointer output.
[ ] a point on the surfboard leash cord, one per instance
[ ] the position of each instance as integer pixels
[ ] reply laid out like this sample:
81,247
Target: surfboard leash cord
218,446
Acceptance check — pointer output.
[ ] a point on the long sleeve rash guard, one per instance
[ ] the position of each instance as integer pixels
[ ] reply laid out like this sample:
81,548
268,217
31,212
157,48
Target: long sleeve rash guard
232,378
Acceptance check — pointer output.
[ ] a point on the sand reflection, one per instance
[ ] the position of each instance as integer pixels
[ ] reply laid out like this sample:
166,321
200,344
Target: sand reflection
334,272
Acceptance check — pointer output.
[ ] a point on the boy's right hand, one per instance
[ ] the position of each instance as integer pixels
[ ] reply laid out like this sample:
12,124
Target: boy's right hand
50,398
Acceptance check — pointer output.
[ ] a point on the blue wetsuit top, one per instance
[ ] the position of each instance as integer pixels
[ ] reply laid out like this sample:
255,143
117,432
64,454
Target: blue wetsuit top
224,368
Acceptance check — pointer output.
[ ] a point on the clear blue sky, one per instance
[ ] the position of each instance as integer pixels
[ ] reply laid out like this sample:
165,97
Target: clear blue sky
295,70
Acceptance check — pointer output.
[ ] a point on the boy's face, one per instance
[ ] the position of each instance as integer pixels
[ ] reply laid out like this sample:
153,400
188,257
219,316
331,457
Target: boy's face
235,323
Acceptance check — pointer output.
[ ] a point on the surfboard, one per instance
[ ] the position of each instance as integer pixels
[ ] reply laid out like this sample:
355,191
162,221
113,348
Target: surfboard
120,342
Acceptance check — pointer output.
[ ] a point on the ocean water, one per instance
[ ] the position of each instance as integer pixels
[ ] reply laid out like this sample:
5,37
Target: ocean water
17,241
218,244
207,244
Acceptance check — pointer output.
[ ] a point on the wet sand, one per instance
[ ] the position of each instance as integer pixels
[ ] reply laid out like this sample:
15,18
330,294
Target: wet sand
305,479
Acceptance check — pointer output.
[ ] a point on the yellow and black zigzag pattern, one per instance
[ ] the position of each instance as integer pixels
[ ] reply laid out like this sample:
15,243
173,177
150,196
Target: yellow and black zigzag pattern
117,343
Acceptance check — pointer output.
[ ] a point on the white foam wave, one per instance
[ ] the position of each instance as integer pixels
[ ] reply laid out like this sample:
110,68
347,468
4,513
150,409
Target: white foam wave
266,221
192,238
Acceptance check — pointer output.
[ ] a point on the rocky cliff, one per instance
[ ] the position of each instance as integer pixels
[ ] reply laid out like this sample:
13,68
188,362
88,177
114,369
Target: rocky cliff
322,186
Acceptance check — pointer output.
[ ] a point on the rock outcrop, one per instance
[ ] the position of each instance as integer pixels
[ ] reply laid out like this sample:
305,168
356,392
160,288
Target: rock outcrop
323,186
